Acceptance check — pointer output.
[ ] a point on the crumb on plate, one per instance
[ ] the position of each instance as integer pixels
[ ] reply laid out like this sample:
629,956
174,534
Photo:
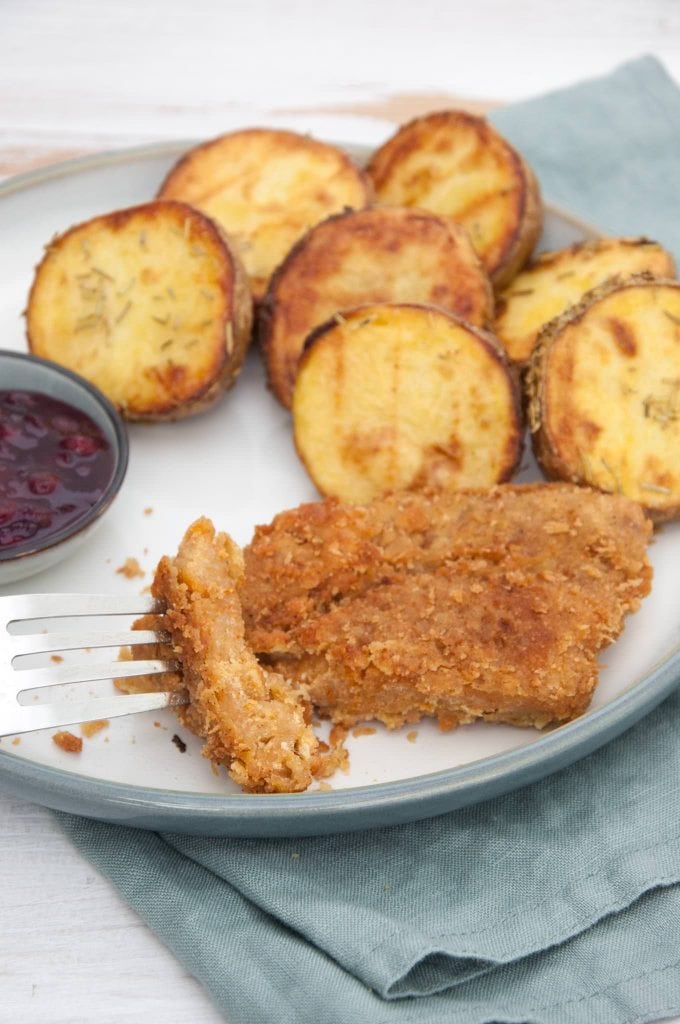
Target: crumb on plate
68,742
89,729
131,569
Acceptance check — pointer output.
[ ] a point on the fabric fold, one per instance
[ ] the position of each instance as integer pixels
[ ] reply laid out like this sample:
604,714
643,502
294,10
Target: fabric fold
476,905
607,149
625,970
484,886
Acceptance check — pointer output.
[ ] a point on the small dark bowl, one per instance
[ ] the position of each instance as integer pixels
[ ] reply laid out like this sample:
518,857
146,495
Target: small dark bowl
29,373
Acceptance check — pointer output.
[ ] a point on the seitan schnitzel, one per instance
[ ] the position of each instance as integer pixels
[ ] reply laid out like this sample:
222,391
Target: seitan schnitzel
250,717
478,604
486,604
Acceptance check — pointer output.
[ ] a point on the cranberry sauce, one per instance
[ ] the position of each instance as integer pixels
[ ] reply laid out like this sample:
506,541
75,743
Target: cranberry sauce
55,464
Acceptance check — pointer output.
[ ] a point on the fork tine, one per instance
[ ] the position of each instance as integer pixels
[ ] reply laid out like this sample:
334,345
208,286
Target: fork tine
42,643
51,716
17,718
50,606
31,679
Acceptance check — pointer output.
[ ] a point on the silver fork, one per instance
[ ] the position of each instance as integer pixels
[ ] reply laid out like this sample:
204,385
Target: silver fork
20,718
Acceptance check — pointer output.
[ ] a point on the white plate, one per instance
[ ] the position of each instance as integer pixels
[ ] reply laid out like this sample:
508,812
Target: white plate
237,464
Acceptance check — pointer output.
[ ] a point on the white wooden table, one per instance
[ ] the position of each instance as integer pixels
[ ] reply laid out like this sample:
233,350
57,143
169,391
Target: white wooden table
78,77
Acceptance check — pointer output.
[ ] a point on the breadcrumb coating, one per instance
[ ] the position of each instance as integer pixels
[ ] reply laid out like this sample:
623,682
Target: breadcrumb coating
252,720
478,604
486,604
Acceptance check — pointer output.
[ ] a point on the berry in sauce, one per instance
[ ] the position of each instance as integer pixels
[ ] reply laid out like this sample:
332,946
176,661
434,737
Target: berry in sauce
43,483
81,444
55,464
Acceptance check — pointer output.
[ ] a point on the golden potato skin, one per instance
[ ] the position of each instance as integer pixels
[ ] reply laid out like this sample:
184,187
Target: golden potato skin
381,254
149,304
395,396
554,281
604,393
456,165
266,188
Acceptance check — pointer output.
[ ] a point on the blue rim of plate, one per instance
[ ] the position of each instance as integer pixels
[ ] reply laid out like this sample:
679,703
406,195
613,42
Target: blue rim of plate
362,807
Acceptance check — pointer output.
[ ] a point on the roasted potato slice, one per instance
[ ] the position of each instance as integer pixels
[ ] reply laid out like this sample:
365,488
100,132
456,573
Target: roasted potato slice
394,396
148,303
604,393
379,255
266,188
458,166
556,280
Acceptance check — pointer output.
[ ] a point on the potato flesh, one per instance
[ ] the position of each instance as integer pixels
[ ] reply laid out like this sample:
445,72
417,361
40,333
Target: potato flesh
460,169
138,309
612,395
558,280
377,255
394,397
266,189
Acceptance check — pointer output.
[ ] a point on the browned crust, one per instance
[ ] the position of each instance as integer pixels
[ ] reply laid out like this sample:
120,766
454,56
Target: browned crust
295,137
252,720
236,319
542,438
524,236
239,336
594,246
493,346
387,156
278,355
485,603
521,244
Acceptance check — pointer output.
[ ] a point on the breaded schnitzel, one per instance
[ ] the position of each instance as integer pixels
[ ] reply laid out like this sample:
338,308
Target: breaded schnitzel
477,604
251,719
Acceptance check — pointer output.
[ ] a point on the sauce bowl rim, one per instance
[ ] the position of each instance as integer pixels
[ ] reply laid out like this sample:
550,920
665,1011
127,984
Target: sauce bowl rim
120,447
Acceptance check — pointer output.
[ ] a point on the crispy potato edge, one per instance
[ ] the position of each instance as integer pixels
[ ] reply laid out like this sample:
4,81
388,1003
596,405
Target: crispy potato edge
521,242
543,259
554,257
237,320
542,441
297,137
515,444
265,309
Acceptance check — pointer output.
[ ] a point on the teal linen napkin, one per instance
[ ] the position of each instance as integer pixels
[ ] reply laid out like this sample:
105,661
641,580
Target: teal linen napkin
558,904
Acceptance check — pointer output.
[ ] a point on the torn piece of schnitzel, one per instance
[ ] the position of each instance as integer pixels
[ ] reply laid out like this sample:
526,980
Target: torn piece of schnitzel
251,718
478,604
